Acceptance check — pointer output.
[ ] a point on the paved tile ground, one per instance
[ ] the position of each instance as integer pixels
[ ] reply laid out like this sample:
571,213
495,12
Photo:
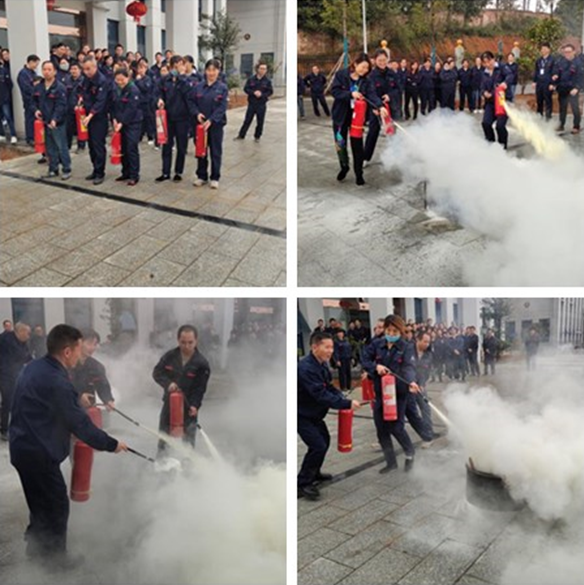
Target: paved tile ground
417,528
51,235
349,235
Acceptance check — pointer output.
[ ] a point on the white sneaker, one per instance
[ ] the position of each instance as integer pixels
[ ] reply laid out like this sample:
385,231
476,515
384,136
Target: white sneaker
366,164
199,182
13,140
2,138
150,142
426,444
214,184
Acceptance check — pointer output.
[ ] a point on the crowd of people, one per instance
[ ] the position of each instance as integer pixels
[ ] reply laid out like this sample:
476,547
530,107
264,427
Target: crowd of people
122,91
414,353
412,88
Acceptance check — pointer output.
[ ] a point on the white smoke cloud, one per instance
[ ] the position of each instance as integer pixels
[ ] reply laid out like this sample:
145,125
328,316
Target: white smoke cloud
531,210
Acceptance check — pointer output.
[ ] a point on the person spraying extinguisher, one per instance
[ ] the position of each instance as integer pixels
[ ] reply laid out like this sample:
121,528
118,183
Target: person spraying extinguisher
316,395
128,115
353,93
391,354
183,370
496,78
45,413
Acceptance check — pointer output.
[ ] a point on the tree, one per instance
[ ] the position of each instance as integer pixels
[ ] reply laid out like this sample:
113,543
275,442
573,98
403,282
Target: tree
495,310
571,14
221,35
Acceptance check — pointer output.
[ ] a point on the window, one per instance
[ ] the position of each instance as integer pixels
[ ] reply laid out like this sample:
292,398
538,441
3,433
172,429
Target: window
510,331
29,311
544,330
455,313
113,35
79,313
163,5
163,35
141,34
246,68
418,310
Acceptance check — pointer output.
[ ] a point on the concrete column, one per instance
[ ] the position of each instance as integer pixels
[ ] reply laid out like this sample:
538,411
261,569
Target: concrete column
410,309
97,24
280,36
447,311
101,325
312,310
182,27
54,312
221,5
5,309
469,312
207,8
223,324
27,22
145,319
128,29
379,309
429,309
153,30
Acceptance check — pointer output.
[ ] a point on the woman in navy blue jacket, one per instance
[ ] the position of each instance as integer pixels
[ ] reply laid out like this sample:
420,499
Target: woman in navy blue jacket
209,107
349,85
127,118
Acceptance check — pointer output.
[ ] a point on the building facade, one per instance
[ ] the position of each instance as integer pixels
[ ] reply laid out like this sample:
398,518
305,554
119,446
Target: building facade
32,26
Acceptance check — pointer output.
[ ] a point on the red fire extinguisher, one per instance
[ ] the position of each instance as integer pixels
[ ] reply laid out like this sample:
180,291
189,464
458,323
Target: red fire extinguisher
389,398
201,142
500,109
358,121
161,126
94,414
39,136
388,124
345,434
116,155
82,133
367,392
177,414
81,472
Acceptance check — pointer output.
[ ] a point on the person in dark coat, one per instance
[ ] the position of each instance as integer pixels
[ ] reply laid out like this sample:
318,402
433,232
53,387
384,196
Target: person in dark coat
465,86
316,81
316,395
542,80
426,86
300,89
182,369
14,354
25,80
568,81
412,92
259,90
490,349
476,76
38,342
45,414
350,85
6,85
342,355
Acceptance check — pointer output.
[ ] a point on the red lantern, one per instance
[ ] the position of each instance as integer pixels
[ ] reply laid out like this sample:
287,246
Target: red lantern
137,10
200,142
161,127
177,414
358,122
82,132
389,398
116,155
39,136
345,435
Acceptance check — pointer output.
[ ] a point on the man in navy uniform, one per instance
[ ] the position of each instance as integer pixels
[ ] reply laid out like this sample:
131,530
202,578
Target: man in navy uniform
258,89
25,80
342,358
542,79
45,414
73,88
183,369
95,93
316,81
568,81
316,395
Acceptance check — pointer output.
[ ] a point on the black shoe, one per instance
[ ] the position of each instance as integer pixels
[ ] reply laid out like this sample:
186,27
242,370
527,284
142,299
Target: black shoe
90,177
388,468
238,137
436,435
121,178
98,180
256,139
162,178
323,477
342,173
177,178
360,180
409,464
310,492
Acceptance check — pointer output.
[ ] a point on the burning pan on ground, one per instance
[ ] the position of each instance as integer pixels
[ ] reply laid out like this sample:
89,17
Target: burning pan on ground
488,491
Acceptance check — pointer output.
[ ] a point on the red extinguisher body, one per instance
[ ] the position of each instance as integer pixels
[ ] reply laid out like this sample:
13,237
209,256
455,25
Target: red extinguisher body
358,121
389,397
81,472
345,434
388,124
94,414
116,154
82,132
39,136
177,414
500,100
161,127
200,142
